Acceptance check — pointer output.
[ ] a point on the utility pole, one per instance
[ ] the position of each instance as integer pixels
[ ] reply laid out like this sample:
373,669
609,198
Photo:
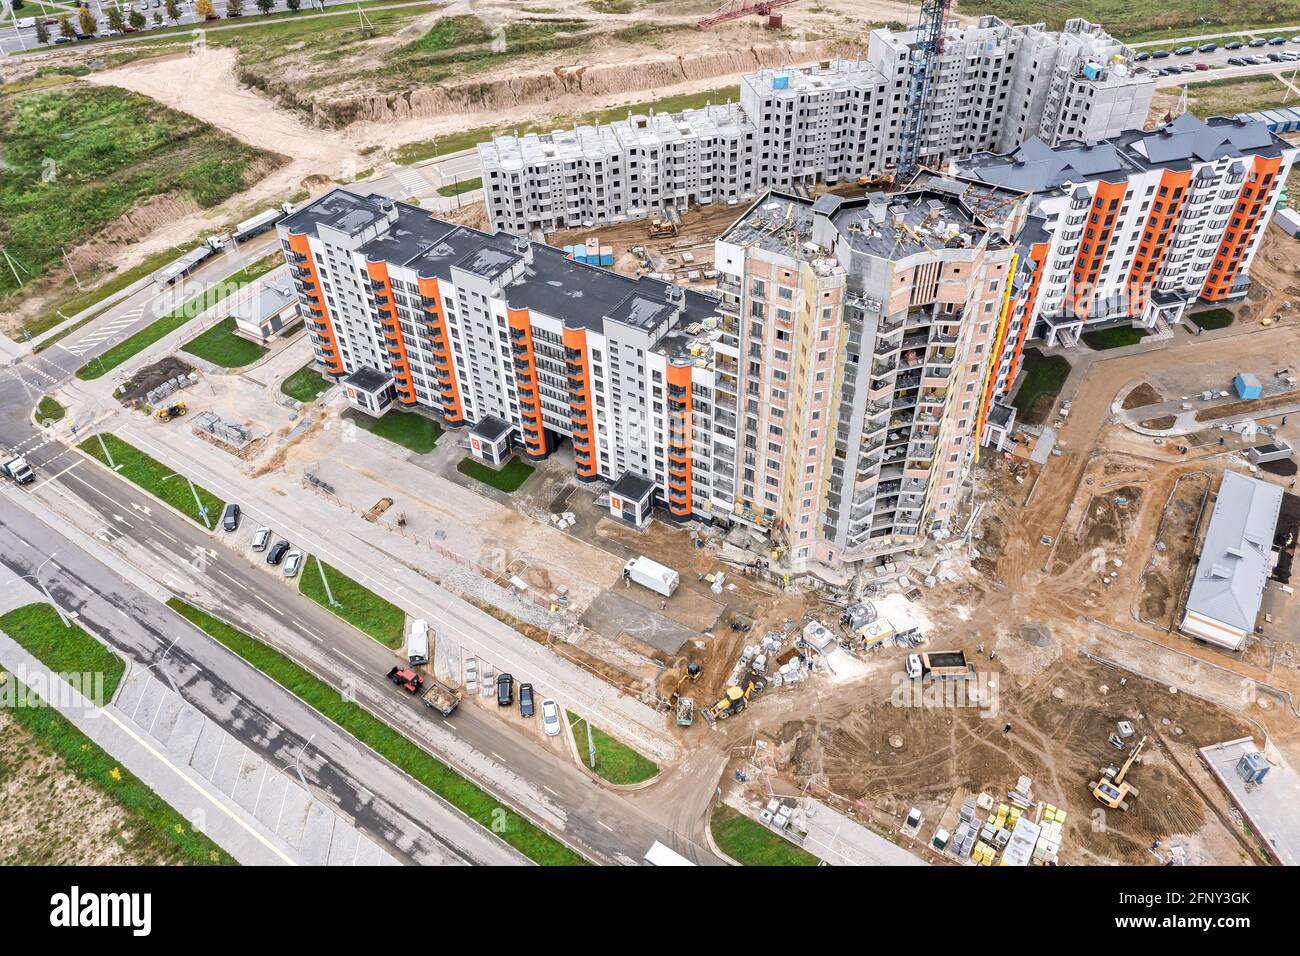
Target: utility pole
104,448
198,503
591,747
35,576
14,266
68,262
320,566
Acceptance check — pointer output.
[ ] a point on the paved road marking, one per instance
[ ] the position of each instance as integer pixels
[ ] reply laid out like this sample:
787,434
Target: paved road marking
268,604
60,474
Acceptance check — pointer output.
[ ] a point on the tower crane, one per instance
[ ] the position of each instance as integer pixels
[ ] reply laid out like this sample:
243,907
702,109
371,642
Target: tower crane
924,62
735,9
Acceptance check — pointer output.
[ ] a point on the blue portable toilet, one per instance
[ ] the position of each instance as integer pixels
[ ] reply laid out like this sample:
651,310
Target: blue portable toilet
781,81
1091,71
1247,385
1252,768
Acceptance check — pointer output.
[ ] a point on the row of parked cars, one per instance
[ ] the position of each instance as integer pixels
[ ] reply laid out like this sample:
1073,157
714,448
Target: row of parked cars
281,554
1211,47
412,681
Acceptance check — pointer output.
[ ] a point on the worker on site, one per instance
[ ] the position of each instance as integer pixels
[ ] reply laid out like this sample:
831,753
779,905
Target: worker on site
1006,730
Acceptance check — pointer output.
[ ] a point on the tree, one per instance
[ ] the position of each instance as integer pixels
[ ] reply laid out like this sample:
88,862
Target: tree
157,19
136,19
18,5
42,32
173,11
234,8
293,4
87,22
66,28
116,21
203,9
265,5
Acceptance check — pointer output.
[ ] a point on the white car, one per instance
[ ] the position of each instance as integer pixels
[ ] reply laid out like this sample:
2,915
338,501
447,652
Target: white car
261,539
292,563
550,717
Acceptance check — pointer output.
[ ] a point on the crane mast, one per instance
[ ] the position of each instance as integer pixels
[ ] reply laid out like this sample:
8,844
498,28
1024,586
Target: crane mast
924,62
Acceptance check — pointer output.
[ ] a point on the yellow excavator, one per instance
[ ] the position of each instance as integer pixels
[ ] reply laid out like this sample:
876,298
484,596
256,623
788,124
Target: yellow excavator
167,412
732,702
1112,790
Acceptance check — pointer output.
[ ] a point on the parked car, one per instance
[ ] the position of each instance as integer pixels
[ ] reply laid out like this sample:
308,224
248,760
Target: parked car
1259,59
550,717
525,700
1207,48
261,538
230,517
1141,57
407,679
1276,57
292,563
277,553
1236,61
1234,45
1187,68
1290,55
1202,66
505,690
1277,41
1159,54
1184,50
1258,41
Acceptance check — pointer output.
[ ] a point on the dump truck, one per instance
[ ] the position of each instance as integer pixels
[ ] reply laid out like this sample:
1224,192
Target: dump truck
442,698
651,574
941,665
168,412
18,469
685,711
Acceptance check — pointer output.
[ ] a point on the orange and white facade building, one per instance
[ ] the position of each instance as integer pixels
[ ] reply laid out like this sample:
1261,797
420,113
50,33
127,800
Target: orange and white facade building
1133,229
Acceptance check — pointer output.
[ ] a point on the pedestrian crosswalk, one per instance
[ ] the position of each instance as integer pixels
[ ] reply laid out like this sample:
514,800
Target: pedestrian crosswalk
412,180
102,333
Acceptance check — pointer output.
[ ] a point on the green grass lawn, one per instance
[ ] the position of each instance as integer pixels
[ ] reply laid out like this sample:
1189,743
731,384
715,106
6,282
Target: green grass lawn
408,429
161,328
615,761
464,186
1043,378
361,607
1115,337
512,474
1212,318
221,346
48,410
750,843
306,384
154,477
77,157
473,801
65,650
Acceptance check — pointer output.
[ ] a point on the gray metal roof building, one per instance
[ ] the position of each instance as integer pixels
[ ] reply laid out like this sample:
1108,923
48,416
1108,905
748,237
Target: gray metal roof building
1235,562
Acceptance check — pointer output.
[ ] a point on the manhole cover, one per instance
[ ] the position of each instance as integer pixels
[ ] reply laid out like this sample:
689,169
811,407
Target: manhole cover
896,742
1058,693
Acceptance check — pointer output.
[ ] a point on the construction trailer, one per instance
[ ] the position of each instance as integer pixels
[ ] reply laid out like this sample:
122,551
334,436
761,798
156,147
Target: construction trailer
653,575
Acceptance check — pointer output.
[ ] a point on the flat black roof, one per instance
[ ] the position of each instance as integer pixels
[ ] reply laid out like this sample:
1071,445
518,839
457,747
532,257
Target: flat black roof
368,379
632,486
491,428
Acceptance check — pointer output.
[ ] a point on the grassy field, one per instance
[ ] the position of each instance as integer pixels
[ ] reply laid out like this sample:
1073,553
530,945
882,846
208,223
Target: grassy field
48,410
1212,318
306,384
1243,94
408,429
464,186
154,477
1114,337
511,476
161,328
77,157
615,761
361,607
221,346
1140,20
467,797
1043,378
752,844
65,650
455,142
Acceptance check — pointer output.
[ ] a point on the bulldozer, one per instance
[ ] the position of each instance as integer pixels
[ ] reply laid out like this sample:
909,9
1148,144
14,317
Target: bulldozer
1112,790
732,702
168,412
662,229
878,181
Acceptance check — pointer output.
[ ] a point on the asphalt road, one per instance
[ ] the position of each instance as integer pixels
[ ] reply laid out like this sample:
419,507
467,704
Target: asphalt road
136,529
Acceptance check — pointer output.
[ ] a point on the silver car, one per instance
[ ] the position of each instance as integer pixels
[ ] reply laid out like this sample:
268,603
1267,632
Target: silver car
292,563
550,717
261,539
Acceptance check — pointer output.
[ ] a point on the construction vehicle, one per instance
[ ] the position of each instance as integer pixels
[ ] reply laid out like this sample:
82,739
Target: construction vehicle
732,702
1113,788
663,229
735,9
168,412
18,469
685,711
407,679
878,181
693,671
941,665
442,698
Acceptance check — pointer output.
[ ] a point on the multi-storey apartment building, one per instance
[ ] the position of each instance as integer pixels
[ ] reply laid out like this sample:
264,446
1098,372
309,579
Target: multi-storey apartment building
997,86
1134,228
829,395
866,327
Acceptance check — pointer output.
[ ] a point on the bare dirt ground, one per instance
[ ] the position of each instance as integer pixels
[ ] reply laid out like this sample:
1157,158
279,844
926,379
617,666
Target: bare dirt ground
50,816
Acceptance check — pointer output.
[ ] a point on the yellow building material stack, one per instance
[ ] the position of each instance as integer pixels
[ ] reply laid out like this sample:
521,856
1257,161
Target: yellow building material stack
983,854
1049,838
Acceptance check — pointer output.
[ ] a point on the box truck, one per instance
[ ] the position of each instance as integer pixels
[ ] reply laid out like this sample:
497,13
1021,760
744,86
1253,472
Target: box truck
942,665
18,469
652,575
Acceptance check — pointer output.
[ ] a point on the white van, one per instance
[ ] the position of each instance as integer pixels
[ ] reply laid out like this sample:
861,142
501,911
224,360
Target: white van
417,642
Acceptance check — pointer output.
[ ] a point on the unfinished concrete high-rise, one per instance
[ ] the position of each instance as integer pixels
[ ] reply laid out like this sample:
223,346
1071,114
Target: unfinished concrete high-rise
996,86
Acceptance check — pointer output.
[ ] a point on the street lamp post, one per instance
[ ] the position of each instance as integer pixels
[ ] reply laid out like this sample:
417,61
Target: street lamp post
35,576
